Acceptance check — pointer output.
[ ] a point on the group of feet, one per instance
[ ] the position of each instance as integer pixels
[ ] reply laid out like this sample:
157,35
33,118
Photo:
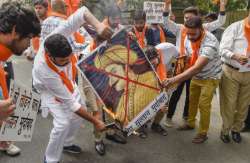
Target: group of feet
100,146
201,138
116,137
235,135
120,139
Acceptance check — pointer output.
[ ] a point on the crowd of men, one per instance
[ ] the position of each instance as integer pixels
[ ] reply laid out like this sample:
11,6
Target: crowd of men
54,37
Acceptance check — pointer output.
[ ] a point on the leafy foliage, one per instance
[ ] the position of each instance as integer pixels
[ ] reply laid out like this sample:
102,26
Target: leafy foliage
204,5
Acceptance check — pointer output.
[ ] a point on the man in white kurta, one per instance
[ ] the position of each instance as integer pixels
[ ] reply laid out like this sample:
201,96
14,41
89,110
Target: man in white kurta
64,104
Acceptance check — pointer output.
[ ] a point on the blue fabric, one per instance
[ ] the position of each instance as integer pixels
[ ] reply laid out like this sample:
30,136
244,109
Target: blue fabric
155,39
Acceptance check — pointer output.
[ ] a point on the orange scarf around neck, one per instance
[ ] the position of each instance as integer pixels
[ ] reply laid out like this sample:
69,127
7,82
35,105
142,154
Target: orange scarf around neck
66,81
162,34
195,48
247,34
141,36
183,36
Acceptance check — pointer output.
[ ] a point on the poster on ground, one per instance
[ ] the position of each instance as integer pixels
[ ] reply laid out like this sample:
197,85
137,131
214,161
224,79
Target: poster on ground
125,81
20,126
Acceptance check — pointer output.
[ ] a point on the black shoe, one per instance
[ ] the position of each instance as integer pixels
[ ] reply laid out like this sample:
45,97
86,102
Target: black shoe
100,148
142,132
116,138
225,138
236,137
158,129
72,149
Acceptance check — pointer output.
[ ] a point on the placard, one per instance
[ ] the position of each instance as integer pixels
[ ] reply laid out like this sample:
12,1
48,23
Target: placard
20,126
154,11
124,80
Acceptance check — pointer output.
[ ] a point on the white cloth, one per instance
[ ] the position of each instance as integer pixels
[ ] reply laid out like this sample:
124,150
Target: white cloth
209,48
65,127
50,24
176,28
169,52
233,42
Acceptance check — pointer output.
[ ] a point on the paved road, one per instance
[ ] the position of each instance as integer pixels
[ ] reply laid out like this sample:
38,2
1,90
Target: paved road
174,148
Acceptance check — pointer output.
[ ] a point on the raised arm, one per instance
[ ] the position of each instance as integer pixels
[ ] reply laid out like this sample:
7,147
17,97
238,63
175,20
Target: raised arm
168,23
221,18
76,20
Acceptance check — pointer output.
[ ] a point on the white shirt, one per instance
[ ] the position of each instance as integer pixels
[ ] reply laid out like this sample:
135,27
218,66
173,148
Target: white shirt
233,42
209,48
48,83
176,28
50,24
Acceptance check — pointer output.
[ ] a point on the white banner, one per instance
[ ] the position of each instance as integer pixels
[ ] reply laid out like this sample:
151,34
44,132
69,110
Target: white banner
20,126
154,11
147,114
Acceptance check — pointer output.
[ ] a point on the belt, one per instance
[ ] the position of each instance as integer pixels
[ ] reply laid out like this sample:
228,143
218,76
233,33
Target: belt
228,65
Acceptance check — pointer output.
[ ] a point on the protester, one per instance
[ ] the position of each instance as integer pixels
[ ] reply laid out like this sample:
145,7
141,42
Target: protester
180,31
91,99
41,9
57,17
235,85
210,17
204,71
162,57
67,120
150,36
14,40
113,20
65,105
113,17
142,32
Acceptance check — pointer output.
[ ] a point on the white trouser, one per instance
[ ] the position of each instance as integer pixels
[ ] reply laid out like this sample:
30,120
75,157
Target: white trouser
65,127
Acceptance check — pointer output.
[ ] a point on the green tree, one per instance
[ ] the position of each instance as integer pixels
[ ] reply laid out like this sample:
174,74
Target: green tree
204,5
232,5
